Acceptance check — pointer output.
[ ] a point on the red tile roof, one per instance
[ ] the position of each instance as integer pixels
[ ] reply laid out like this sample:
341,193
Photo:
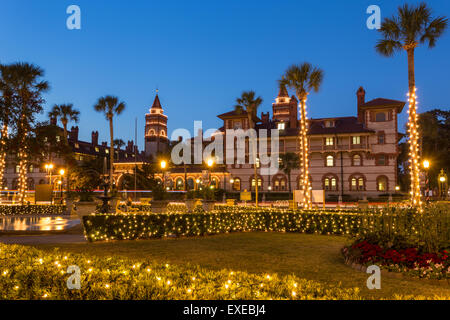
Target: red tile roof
382,102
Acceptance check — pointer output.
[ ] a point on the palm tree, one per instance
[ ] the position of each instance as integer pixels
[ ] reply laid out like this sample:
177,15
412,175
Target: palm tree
412,26
250,103
118,143
65,113
110,106
6,105
289,162
303,78
24,81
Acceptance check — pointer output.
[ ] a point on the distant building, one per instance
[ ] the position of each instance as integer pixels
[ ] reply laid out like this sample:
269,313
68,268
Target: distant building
354,155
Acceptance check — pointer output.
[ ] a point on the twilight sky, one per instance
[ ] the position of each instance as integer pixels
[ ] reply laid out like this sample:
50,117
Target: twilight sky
203,54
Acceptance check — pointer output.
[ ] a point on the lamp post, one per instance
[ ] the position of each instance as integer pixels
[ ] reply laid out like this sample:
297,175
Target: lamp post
426,166
49,168
163,165
209,163
61,180
442,182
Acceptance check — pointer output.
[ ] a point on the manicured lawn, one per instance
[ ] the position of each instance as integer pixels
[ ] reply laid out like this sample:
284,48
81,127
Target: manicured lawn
312,257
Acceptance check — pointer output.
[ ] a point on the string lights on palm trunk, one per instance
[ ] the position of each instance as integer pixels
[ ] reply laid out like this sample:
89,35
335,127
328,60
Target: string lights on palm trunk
306,184
414,158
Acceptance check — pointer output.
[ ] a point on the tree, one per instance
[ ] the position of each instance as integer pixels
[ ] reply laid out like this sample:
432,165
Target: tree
26,88
289,162
250,103
6,106
118,143
412,26
110,106
303,78
65,113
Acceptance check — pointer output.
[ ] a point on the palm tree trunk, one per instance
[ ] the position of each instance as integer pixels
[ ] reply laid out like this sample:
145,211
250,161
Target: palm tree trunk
111,151
413,130
65,130
22,167
304,153
4,134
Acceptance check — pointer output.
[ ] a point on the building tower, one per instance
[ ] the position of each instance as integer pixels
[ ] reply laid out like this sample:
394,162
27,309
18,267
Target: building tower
156,140
285,109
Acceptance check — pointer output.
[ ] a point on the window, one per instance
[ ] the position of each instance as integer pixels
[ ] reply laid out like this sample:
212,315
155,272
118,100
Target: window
190,184
31,168
77,145
356,140
17,169
58,138
329,161
380,117
258,163
330,184
382,183
162,133
381,160
281,126
237,184
259,183
179,185
357,184
357,160
329,123
381,138
215,182
329,141
151,132
107,151
96,149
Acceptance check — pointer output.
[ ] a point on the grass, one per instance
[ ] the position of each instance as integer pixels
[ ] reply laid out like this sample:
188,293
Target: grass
312,257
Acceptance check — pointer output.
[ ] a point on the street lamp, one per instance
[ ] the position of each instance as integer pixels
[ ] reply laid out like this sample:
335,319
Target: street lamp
426,166
163,165
49,168
210,163
442,181
60,182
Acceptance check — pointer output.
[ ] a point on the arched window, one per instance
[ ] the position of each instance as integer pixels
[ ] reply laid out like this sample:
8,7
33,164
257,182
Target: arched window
283,185
330,183
356,160
382,183
169,184
179,184
152,132
357,183
162,133
158,180
215,182
190,184
329,162
236,184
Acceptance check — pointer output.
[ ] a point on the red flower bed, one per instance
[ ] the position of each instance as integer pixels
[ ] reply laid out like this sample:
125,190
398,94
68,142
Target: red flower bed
408,257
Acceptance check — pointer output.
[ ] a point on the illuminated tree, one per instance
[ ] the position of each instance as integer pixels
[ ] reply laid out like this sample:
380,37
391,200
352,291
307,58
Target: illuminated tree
26,88
110,106
412,26
303,78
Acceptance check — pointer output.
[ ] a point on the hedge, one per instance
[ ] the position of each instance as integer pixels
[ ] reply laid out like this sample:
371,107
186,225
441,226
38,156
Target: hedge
32,209
147,225
29,273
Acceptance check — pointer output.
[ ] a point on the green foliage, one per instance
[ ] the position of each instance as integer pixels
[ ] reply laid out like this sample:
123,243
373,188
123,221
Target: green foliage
85,178
159,193
29,273
208,194
32,209
403,228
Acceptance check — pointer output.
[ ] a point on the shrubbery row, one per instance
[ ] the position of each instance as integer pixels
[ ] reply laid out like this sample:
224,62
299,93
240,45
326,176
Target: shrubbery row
32,209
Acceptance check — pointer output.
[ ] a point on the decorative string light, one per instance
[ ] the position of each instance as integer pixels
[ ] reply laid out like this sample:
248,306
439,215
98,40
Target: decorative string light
304,156
4,134
414,158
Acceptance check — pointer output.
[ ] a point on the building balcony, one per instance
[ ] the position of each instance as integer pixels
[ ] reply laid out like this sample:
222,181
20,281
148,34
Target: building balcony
344,147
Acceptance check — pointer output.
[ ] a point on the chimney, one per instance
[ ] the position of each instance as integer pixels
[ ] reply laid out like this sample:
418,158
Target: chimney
361,98
130,146
73,134
104,144
265,117
94,139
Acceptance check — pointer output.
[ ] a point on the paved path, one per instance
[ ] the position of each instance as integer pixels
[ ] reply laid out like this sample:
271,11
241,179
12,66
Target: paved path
43,239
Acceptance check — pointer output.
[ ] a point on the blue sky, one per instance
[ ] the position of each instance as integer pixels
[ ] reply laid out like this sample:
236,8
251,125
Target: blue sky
203,54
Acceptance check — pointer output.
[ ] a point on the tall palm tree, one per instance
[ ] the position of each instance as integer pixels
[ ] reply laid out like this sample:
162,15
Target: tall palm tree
65,113
250,103
303,78
27,87
110,106
289,162
412,26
